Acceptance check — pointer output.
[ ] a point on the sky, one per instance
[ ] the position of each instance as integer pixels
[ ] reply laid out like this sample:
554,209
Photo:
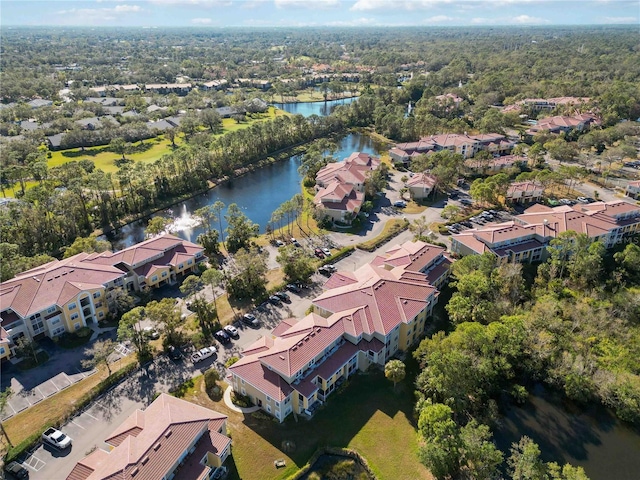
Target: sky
301,13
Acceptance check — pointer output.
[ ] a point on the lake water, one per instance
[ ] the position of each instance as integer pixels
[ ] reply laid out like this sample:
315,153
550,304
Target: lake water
594,439
307,109
257,193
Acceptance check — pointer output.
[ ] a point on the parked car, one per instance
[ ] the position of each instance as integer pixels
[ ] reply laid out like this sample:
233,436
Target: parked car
56,438
453,195
232,331
275,300
222,337
151,333
319,253
324,271
283,296
326,251
250,319
279,243
203,354
452,229
173,353
293,288
332,268
466,201
467,223
295,242
400,204
17,470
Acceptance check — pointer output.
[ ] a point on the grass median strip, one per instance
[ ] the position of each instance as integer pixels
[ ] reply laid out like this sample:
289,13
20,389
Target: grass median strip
391,229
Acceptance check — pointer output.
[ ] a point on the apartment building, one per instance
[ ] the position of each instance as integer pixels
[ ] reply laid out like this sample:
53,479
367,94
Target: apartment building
340,186
66,295
362,318
171,438
525,192
465,145
525,238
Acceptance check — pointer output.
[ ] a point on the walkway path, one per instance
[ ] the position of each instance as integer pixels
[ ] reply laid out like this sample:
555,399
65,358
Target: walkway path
235,408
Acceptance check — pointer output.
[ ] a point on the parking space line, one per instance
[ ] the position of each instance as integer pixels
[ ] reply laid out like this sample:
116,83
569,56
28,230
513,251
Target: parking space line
77,424
34,463
89,415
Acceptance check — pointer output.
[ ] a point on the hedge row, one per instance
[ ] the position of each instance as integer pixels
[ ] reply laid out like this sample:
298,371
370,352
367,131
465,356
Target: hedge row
100,388
373,244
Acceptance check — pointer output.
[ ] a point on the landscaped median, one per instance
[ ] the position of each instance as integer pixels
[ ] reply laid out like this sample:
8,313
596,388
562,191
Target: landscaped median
391,229
24,429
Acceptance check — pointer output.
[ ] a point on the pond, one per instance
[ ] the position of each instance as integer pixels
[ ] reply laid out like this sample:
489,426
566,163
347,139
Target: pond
593,438
258,194
307,109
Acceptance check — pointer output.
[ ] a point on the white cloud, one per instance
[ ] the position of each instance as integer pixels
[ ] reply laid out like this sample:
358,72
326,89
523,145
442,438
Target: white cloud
616,20
439,19
311,4
357,22
127,8
528,20
201,21
364,5
197,3
96,16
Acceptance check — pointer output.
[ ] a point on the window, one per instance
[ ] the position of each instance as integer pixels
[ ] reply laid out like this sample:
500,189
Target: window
55,321
244,392
181,266
72,306
58,331
2,351
96,295
76,326
74,316
51,309
99,305
164,274
189,262
154,278
101,314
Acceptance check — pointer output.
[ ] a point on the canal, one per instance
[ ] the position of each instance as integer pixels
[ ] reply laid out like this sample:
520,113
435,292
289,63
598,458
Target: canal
592,438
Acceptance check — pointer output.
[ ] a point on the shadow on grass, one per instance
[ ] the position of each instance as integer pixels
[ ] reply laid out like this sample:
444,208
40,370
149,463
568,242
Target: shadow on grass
92,152
340,420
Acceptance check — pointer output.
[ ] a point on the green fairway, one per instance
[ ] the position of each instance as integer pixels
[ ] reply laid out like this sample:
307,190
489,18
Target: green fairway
149,151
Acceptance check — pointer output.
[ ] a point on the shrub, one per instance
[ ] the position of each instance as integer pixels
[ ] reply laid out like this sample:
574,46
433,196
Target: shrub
211,377
231,361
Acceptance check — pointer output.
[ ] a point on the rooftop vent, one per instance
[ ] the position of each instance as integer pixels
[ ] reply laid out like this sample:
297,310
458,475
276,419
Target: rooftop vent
281,357
168,434
295,347
156,446
145,460
134,472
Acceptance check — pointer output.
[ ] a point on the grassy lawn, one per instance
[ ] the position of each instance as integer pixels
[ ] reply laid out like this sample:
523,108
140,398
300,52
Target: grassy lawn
11,192
104,159
368,416
151,149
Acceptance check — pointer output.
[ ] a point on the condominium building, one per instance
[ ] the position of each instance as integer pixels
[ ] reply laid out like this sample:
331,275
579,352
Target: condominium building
525,238
362,318
66,295
171,438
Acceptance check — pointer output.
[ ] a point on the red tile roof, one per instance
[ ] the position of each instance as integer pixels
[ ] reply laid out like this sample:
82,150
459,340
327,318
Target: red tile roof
157,437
